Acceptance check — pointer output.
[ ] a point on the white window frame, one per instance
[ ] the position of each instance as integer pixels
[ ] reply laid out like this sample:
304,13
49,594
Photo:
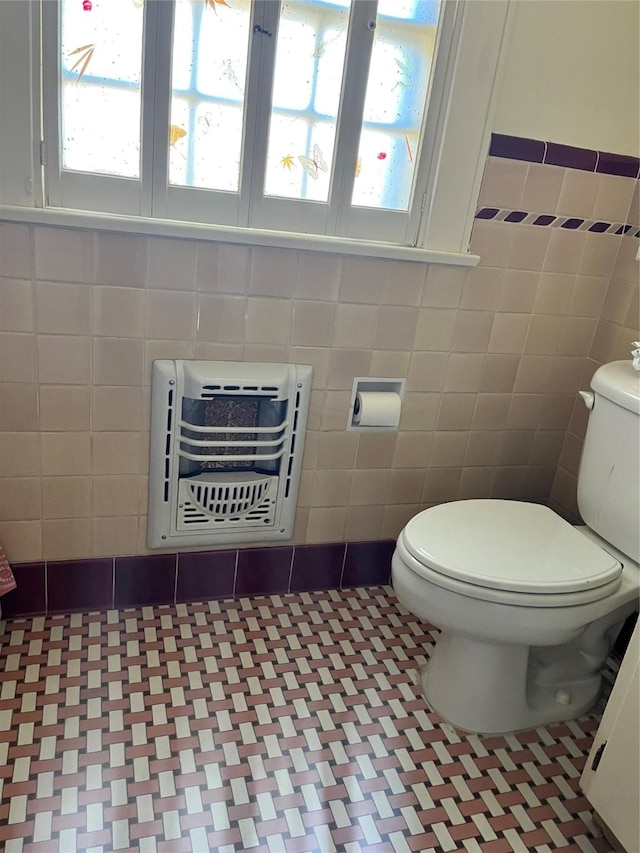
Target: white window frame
438,228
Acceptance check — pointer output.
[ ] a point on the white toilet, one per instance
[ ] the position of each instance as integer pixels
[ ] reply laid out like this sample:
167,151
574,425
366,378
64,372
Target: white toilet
528,605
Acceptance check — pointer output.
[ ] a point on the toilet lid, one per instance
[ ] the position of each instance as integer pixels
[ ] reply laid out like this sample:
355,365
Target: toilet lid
510,545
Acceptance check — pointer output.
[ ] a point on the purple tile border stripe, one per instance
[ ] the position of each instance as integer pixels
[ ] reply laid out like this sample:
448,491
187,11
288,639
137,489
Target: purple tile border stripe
546,220
104,583
553,154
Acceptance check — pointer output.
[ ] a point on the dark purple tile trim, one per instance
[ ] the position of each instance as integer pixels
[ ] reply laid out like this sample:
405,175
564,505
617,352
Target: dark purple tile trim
487,213
624,229
545,219
29,598
317,567
368,563
106,582
517,148
150,579
618,164
570,157
572,223
205,575
516,216
263,571
600,227
74,585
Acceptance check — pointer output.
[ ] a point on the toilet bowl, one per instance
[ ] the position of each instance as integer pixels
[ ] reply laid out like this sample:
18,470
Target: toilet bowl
526,605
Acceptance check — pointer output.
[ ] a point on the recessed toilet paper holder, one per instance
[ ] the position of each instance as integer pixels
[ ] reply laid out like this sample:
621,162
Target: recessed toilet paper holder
386,413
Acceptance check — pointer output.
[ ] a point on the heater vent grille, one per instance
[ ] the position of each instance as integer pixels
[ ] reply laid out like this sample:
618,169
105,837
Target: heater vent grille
226,453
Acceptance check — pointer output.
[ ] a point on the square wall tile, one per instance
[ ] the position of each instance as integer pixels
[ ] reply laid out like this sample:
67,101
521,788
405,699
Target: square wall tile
117,361
116,453
172,264
405,280
64,408
326,524
171,315
16,312
116,495
318,276
368,563
268,321
578,194
66,538
65,453
121,260
63,309
317,567
223,268
148,579
503,182
19,407
29,598
66,497
63,254
528,248
363,280
221,318
273,272
17,357
20,499
74,585
116,408
64,359
115,535
396,327
312,323
15,250
542,187
22,540
355,326
263,571
205,575
19,454
118,312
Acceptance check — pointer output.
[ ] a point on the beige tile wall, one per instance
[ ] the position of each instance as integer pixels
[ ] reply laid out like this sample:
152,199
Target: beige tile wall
493,357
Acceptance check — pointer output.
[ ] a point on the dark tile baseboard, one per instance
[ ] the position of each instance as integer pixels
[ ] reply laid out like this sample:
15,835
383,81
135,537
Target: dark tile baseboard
67,586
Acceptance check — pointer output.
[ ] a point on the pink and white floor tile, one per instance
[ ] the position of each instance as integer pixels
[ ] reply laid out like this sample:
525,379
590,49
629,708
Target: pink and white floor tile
283,724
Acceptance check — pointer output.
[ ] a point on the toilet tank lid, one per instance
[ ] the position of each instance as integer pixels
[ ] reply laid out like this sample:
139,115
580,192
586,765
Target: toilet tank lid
509,545
620,383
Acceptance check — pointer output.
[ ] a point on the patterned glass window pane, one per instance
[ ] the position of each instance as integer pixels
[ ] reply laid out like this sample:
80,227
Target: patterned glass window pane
101,62
210,49
312,37
401,65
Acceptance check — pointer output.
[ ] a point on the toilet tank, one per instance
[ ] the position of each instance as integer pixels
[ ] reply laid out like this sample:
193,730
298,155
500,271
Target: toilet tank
609,475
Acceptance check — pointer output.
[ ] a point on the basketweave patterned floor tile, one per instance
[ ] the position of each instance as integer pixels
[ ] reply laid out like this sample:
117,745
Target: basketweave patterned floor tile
276,724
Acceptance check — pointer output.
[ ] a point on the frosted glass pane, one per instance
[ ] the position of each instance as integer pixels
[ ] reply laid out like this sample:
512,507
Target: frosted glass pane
399,75
310,53
208,77
100,100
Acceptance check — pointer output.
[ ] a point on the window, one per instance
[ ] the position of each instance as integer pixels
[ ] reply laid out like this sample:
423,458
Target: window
355,119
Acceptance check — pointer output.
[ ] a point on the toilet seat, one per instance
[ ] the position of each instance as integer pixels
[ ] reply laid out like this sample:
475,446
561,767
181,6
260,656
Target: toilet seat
509,552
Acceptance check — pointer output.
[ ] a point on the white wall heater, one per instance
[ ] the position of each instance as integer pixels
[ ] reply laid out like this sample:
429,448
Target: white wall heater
226,451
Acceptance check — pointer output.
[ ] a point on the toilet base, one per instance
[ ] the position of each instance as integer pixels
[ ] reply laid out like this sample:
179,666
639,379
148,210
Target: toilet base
492,688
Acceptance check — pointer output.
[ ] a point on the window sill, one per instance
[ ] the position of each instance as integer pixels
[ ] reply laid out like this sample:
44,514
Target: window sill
224,234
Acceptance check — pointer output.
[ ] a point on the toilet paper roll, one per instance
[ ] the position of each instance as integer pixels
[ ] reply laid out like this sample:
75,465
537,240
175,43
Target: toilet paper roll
377,409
